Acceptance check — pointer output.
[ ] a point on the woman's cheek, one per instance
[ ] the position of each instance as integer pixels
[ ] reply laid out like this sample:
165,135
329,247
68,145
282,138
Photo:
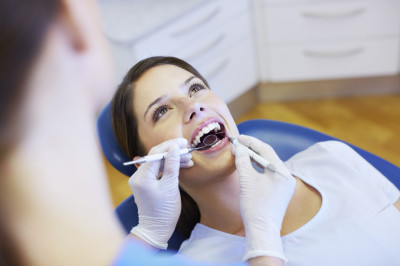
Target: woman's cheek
166,134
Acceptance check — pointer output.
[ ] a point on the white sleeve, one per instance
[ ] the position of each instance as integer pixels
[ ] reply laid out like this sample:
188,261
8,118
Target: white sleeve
345,152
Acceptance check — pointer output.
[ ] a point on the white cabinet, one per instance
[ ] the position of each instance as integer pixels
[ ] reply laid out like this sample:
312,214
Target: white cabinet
326,39
216,37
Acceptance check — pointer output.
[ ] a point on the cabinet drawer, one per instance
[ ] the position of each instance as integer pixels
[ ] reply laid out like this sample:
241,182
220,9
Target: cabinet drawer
231,72
342,60
331,20
192,26
221,39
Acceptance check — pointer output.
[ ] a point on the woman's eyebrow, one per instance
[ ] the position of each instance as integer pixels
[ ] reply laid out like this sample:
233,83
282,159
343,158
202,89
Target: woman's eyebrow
154,102
188,80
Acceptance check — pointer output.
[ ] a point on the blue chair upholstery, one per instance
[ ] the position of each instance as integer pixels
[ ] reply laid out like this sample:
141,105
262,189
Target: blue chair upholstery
287,139
111,149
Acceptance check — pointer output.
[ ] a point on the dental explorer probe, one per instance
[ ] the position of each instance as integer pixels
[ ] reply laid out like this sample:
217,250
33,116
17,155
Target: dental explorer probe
257,158
208,142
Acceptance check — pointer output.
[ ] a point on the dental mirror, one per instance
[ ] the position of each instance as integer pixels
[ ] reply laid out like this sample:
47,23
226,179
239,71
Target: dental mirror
208,141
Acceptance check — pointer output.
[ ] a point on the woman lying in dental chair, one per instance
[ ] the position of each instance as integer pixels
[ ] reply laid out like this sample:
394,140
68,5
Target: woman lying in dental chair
336,208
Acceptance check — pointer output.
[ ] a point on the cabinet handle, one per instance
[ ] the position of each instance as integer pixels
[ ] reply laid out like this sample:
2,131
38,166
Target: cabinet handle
333,54
205,48
217,69
334,15
197,23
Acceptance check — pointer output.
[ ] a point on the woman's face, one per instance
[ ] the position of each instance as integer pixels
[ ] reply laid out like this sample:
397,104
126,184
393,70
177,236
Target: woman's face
170,102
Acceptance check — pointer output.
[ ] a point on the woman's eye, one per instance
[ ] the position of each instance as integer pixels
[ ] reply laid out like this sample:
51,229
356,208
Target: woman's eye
195,88
160,111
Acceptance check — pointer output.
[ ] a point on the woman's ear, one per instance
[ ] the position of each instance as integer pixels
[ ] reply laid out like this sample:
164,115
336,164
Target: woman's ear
137,164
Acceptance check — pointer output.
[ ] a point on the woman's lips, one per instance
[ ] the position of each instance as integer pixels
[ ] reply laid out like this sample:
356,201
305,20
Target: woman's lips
202,125
220,145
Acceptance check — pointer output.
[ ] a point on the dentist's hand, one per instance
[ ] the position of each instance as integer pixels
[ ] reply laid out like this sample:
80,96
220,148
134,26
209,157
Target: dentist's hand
264,198
155,188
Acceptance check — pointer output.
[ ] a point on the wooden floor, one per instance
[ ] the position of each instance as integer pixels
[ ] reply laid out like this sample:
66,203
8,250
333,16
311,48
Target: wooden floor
370,122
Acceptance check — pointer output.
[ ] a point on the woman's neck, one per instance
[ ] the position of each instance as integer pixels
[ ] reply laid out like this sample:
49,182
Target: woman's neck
219,204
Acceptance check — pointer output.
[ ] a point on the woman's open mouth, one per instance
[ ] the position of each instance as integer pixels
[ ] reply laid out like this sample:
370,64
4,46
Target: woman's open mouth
209,136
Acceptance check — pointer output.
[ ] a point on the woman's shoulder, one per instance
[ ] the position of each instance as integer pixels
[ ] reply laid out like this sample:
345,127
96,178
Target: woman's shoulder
334,147
334,160
324,152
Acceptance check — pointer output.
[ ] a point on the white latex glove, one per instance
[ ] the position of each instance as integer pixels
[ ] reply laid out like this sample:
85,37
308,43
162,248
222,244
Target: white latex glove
264,198
158,198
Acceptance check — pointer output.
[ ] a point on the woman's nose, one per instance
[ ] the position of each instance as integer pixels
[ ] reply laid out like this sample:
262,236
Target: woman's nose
194,110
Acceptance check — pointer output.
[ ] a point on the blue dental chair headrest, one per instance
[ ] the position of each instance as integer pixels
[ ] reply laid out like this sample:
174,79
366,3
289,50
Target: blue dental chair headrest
287,139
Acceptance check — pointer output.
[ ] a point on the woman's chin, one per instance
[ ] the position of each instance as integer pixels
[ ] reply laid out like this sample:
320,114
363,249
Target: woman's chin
210,166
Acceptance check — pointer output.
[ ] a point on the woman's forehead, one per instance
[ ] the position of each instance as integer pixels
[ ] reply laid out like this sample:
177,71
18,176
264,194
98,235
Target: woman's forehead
157,82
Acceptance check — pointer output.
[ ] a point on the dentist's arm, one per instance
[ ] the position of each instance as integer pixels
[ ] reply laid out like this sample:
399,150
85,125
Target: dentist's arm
264,198
157,194
159,203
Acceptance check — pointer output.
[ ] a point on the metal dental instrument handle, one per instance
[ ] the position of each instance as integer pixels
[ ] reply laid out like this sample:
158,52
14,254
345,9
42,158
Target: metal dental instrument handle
257,158
160,156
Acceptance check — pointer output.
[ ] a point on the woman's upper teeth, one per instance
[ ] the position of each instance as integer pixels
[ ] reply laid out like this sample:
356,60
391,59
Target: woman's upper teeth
205,130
